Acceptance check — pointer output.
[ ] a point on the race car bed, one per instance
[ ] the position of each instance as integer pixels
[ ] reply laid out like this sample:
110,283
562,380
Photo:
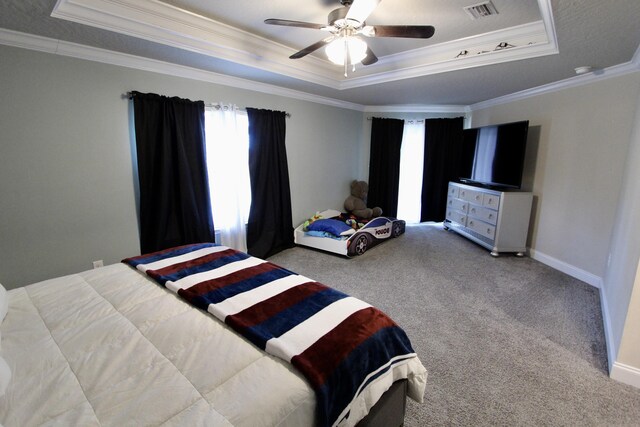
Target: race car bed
335,232
196,335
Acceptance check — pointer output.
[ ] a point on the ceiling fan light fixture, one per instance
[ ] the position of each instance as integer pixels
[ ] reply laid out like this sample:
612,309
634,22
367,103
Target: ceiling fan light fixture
356,48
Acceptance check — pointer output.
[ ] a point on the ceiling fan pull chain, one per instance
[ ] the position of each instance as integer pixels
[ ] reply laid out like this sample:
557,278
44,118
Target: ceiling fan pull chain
346,56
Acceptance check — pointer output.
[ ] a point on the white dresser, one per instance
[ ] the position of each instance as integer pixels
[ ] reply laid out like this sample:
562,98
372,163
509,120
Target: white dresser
497,220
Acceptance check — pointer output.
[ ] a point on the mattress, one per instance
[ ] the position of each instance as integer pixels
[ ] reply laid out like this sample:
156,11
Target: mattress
128,346
110,347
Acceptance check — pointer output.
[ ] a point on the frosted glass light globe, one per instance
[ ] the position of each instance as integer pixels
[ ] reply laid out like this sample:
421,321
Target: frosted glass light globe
357,50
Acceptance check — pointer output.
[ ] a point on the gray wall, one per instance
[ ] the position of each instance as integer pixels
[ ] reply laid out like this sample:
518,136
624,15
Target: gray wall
622,279
586,186
584,134
66,176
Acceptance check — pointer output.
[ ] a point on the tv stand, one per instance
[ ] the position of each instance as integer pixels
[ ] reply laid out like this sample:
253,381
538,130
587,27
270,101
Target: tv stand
497,220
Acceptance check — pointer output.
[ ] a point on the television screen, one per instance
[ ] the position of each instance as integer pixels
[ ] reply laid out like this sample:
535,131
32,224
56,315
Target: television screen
494,155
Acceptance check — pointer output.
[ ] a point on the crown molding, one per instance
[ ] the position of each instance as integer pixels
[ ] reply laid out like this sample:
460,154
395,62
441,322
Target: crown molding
28,41
636,58
596,75
58,47
455,109
160,22
546,12
529,41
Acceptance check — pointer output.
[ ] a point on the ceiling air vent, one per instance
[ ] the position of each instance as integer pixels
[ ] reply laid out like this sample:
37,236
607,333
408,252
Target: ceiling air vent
481,10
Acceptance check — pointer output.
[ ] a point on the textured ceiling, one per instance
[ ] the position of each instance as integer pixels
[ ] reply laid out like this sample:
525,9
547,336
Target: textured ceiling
447,16
589,32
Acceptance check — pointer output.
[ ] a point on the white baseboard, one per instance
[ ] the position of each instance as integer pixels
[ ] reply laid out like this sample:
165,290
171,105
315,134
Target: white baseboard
625,374
608,333
569,269
617,371
592,280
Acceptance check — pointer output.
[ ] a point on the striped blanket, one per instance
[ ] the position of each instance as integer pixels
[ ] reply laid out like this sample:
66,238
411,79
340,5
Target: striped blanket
349,351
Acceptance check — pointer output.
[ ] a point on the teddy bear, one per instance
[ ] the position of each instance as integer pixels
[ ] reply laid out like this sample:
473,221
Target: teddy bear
356,203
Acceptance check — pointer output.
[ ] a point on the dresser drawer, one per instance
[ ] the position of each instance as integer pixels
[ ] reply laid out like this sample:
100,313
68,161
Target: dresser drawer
482,228
485,214
456,216
471,195
497,220
491,201
454,191
457,204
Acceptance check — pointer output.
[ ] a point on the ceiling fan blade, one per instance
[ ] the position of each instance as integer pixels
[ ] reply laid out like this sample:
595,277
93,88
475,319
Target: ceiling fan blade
309,49
371,57
289,23
361,9
408,31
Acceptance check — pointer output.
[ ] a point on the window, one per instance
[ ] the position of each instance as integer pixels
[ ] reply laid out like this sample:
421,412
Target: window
411,165
227,139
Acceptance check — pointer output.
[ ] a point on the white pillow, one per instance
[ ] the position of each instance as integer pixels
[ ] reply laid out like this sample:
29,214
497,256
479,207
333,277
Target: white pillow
5,376
4,303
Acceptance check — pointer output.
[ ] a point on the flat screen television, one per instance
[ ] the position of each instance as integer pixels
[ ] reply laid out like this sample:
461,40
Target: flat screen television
493,156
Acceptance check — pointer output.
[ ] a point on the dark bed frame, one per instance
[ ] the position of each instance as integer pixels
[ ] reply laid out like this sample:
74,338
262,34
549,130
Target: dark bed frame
390,409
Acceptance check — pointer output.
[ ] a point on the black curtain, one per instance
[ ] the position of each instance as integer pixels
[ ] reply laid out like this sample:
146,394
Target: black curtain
174,191
442,147
269,228
384,164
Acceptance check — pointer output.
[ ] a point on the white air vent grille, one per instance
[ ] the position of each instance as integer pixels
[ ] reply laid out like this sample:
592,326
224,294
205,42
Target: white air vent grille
481,10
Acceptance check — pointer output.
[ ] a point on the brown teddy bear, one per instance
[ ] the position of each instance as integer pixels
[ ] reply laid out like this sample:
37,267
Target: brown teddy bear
356,203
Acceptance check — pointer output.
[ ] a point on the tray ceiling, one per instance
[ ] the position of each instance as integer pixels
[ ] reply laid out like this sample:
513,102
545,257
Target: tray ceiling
234,31
547,39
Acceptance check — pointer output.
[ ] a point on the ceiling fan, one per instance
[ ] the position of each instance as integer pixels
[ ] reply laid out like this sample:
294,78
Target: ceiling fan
346,24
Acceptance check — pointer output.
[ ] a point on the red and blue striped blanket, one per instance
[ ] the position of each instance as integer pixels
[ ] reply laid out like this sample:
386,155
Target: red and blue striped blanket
343,346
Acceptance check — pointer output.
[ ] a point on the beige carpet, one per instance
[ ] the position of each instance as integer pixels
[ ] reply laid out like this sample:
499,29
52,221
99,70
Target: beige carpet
507,341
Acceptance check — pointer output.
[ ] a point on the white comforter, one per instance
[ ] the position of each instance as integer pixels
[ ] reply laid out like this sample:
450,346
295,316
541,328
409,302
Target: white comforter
110,347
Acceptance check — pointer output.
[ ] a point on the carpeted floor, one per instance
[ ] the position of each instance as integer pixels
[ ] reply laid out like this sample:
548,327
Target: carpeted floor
507,341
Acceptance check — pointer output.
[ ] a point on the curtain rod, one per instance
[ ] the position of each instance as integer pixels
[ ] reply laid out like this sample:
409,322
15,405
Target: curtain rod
406,120
129,95
218,107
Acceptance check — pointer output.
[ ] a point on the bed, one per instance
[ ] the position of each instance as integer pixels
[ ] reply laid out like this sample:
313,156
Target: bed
336,232
130,344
